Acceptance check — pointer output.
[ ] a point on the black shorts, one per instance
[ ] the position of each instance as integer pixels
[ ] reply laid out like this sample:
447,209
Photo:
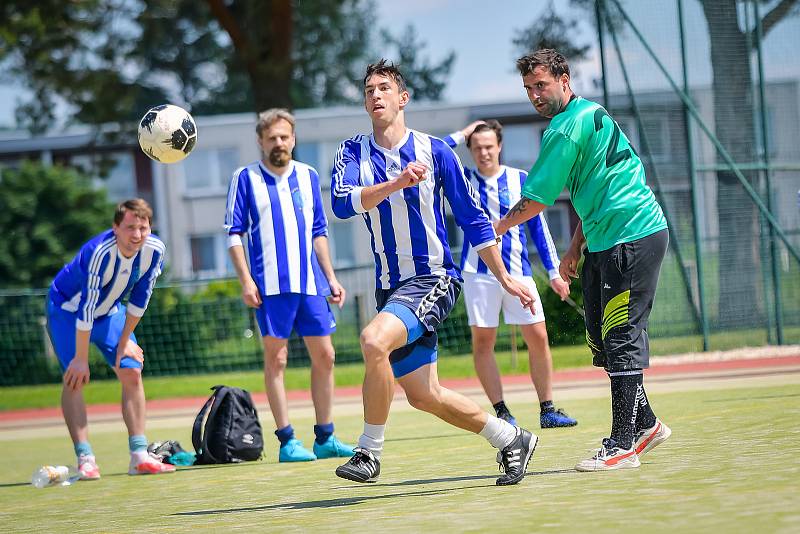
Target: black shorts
430,298
619,286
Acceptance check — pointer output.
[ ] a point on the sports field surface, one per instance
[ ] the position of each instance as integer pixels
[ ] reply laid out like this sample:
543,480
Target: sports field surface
730,466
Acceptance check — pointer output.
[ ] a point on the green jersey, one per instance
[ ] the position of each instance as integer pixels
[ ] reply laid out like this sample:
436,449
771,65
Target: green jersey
584,150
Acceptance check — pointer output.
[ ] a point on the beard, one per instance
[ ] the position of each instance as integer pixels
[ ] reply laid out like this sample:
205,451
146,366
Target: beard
280,157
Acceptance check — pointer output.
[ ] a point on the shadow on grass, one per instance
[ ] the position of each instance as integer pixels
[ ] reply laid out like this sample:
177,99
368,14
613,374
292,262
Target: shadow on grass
350,501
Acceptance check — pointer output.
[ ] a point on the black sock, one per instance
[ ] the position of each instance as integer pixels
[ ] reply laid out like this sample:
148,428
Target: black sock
645,418
624,407
500,407
547,406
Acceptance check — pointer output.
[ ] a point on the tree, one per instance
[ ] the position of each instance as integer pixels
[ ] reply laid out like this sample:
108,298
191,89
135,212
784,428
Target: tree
46,214
551,30
425,80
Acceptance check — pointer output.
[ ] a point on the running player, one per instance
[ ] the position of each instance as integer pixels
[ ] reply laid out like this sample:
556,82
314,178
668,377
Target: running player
397,179
626,238
498,189
277,203
84,305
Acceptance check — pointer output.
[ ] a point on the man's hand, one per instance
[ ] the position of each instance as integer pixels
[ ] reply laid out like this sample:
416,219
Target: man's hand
77,374
560,287
521,291
568,268
469,128
337,293
132,350
250,294
412,175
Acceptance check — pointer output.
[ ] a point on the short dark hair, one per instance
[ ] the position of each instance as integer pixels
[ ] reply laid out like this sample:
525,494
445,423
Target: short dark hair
388,69
544,57
137,206
490,125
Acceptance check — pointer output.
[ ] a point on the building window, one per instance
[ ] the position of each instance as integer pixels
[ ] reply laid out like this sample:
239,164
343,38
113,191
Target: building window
209,256
307,153
557,217
209,170
115,172
521,144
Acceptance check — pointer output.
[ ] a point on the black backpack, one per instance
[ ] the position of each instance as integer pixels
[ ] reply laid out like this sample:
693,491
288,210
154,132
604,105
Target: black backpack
232,431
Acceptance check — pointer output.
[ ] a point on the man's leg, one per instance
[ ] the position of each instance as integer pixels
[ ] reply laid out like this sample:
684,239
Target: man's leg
379,338
540,359
483,340
276,354
74,410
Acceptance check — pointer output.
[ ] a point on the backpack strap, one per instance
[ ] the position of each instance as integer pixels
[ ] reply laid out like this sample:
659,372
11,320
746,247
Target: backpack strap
214,401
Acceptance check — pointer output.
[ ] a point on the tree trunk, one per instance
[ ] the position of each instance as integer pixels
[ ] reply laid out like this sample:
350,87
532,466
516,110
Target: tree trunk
739,265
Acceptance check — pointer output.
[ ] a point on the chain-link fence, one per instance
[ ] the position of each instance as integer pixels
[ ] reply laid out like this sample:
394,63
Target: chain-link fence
709,91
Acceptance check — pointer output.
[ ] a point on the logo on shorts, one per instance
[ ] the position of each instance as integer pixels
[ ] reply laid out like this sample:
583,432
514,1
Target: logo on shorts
403,297
248,439
606,286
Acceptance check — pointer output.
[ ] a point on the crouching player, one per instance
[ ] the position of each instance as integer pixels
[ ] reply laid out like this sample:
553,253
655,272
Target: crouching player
83,305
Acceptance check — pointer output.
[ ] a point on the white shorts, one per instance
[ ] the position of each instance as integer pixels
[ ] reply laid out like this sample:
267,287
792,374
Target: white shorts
484,296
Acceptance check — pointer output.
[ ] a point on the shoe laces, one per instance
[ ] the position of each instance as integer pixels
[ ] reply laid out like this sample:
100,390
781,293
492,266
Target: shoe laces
361,455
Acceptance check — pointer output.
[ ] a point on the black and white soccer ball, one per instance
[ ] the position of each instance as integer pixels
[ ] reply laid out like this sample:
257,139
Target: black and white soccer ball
167,133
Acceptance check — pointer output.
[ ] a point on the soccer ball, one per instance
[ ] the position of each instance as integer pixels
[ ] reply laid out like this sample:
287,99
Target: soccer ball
167,133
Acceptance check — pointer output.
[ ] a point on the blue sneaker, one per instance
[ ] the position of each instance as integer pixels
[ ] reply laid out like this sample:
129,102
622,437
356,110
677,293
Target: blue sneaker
505,415
556,419
294,451
333,448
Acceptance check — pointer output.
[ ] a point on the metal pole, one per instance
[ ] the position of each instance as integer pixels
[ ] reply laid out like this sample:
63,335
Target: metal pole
599,8
762,102
696,200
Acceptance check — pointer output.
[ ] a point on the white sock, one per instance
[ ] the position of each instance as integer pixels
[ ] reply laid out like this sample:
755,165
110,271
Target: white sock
372,439
498,432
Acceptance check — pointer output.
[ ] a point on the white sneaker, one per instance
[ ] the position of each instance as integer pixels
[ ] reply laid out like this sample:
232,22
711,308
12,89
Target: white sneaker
646,440
148,464
87,467
609,457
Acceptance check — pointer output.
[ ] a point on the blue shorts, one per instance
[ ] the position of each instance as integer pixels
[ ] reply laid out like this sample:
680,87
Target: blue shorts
308,315
105,335
422,303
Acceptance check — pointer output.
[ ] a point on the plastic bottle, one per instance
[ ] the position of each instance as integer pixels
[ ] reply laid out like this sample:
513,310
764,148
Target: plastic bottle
59,475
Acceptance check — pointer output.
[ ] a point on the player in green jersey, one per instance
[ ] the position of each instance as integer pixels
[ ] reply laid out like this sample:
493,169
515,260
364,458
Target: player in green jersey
625,233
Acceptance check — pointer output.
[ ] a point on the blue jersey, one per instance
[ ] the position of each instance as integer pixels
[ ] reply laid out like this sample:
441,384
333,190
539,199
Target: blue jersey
408,228
281,216
498,194
98,278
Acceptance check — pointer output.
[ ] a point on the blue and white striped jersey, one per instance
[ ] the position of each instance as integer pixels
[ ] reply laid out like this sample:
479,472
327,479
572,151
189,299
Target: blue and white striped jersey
99,277
281,216
497,195
408,228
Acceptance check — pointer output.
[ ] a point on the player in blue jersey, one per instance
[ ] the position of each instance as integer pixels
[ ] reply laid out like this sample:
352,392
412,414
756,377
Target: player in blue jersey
277,203
397,179
498,189
84,305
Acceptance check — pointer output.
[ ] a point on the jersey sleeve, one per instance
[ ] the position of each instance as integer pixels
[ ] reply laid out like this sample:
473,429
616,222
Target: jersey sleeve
320,226
236,219
92,263
143,288
463,199
346,181
553,167
454,139
540,233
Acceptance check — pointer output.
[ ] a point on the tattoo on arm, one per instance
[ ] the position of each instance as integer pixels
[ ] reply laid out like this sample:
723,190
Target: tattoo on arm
519,207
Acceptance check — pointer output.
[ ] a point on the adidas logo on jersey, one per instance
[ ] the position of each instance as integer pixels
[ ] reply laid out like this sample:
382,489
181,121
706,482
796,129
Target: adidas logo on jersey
393,167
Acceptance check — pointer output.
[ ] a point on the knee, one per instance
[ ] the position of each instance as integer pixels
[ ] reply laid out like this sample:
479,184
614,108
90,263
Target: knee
426,400
325,360
276,361
372,345
130,377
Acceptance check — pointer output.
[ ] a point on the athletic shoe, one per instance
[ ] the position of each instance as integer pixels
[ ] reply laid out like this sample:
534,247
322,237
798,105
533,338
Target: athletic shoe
149,466
293,451
646,440
609,457
362,467
333,448
514,458
87,467
505,415
556,419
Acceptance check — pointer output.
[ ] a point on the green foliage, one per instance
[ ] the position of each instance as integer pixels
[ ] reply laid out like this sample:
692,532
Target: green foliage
46,214
550,30
426,80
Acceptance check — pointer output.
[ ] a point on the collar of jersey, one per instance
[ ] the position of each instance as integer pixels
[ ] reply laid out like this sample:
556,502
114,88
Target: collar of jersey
276,177
494,177
395,149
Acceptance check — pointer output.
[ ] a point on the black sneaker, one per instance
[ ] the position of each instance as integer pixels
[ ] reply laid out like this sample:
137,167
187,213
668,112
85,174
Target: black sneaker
362,467
505,415
515,457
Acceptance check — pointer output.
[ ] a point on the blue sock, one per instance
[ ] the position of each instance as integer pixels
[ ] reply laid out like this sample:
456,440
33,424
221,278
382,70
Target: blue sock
137,443
285,434
323,432
83,448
